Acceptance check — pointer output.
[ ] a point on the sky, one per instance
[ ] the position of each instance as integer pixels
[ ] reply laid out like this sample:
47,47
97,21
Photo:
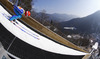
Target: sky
79,8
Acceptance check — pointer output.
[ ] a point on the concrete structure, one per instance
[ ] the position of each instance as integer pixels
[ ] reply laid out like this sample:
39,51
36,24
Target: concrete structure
3,53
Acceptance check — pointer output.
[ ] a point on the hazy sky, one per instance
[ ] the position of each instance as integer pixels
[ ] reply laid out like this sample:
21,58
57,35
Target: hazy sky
75,7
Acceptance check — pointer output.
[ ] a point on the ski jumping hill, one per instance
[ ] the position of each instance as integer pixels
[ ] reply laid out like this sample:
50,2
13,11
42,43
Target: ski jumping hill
29,39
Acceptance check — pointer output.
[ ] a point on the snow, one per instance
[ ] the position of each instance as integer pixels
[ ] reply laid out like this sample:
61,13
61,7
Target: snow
95,46
33,38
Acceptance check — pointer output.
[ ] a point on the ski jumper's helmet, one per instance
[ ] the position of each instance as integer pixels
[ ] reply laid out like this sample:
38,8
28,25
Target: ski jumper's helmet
27,13
22,11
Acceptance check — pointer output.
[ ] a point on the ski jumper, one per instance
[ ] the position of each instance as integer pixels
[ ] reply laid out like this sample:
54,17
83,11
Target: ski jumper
18,11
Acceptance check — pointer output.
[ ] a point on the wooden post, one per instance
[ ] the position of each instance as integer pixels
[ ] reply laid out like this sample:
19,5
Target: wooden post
86,56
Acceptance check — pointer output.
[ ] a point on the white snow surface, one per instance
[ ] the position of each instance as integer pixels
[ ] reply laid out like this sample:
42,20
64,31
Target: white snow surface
31,37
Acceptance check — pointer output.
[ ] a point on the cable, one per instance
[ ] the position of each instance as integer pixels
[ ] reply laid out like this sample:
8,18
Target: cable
11,43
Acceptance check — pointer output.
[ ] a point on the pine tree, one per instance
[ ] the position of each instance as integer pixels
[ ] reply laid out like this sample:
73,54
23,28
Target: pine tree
26,4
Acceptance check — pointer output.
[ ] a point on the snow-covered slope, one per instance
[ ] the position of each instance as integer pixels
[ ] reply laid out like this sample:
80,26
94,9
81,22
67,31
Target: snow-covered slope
33,38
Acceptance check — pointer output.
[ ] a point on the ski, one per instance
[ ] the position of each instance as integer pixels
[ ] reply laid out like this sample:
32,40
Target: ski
25,31
25,28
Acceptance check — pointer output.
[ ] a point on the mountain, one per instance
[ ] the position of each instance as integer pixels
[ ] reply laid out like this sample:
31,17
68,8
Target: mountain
61,17
88,24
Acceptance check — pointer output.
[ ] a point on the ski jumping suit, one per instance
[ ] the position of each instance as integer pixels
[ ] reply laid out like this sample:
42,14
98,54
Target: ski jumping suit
18,11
